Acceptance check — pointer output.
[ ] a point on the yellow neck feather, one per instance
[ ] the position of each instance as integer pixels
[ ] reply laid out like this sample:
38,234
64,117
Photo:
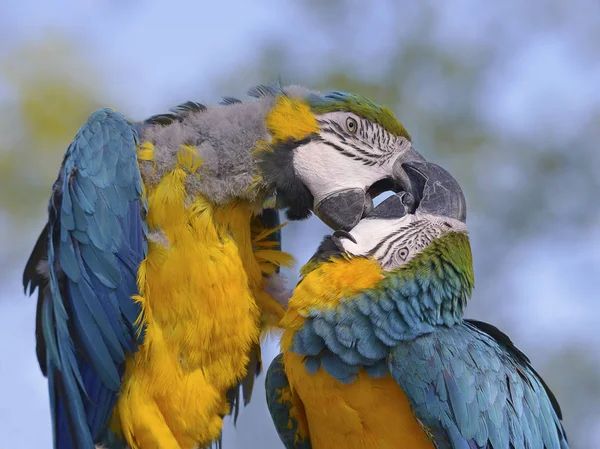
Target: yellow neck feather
291,118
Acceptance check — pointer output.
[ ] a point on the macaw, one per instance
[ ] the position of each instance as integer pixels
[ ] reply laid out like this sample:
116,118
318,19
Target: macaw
376,352
156,267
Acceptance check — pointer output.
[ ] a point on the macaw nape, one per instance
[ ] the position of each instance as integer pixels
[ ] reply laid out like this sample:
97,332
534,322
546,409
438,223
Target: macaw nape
156,266
376,352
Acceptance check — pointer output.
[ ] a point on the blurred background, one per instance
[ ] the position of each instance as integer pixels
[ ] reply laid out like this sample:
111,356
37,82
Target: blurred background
506,95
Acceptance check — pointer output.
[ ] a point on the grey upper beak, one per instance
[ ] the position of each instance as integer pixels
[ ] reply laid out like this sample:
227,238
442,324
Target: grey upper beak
399,175
435,191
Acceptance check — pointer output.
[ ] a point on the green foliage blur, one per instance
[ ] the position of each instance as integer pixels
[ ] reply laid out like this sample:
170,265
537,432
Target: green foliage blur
436,89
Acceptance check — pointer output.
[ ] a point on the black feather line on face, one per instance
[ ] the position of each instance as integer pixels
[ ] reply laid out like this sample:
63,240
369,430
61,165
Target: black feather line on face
277,168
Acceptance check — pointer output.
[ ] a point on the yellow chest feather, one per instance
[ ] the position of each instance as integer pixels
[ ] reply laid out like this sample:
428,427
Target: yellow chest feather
368,413
197,291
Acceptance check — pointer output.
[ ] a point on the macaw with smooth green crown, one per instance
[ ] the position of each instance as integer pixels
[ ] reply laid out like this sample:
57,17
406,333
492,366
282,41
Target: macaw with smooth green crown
377,354
157,269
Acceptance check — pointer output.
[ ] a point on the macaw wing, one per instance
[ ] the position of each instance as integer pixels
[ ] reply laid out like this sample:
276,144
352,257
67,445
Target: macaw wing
91,249
472,389
33,279
280,403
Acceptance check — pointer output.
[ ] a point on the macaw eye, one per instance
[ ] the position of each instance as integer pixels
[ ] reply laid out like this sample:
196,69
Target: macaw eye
396,258
351,125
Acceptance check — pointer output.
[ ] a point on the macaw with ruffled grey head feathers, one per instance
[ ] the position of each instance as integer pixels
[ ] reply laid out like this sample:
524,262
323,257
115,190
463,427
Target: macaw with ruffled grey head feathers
157,269
377,354
353,152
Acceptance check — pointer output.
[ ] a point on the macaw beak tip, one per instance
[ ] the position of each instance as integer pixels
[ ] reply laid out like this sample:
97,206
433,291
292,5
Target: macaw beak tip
435,190
418,185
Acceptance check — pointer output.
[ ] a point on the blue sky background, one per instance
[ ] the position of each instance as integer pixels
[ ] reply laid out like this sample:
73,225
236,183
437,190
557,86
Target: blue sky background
537,89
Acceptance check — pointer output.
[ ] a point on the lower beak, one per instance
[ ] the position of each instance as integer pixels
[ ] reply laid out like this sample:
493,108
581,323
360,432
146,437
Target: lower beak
343,209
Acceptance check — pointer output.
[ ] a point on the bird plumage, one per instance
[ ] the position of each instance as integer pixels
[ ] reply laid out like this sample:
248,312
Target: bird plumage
376,351
94,242
209,257
155,268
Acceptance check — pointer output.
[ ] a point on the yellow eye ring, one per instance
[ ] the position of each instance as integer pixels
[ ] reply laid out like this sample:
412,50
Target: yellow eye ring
351,125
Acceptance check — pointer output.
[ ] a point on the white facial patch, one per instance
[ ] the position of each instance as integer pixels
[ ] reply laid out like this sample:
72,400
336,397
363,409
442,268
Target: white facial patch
370,231
395,242
343,160
324,170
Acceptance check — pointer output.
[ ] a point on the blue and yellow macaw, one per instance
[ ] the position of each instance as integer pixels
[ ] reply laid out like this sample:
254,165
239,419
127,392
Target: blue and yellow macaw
377,354
161,247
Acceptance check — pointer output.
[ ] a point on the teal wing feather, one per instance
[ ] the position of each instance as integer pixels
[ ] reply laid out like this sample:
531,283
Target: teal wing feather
276,383
358,332
92,246
473,389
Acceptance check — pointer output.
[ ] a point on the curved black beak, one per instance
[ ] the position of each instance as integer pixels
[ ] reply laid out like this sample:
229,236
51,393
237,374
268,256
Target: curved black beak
429,189
399,176
435,191
344,209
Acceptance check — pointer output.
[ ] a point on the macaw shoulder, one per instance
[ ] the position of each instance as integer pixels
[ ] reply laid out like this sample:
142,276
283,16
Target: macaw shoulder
364,409
105,138
325,284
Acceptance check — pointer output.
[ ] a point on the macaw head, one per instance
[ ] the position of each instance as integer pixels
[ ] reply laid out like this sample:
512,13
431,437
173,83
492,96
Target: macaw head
332,154
405,225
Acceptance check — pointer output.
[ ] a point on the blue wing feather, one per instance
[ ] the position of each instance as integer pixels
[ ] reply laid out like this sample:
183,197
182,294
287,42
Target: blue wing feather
465,380
94,242
474,390
276,382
